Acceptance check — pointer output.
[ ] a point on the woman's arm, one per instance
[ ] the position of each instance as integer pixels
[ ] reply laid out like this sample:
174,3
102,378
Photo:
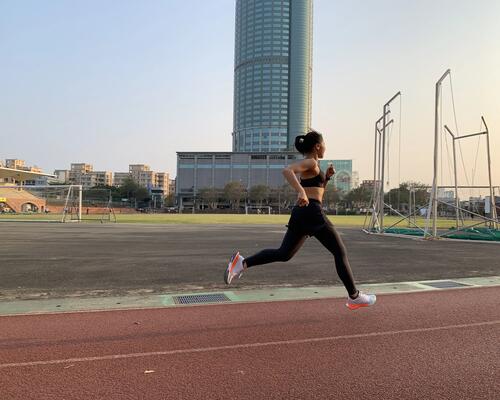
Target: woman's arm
291,170
330,171
290,174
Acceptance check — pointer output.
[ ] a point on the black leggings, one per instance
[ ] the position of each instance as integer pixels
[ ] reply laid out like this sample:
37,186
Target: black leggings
293,241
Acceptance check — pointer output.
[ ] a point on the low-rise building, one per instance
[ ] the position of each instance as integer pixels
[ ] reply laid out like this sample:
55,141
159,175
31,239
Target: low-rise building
84,174
14,163
145,177
20,165
198,170
171,187
120,177
78,172
62,176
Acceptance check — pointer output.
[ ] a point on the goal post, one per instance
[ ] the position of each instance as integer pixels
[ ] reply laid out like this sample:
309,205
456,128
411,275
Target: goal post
55,203
72,210
253,209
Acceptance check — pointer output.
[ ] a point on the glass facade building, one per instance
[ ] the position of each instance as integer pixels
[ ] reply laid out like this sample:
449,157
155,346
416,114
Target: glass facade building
272,74
343,173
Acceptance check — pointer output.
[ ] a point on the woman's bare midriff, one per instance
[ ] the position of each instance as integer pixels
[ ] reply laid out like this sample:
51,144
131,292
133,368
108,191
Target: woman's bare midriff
314,193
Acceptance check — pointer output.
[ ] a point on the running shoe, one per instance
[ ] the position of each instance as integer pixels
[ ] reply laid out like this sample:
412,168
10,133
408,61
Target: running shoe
234,268
363,300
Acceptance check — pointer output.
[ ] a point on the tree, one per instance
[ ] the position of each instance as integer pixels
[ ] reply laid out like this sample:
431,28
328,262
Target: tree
283,195
332,196
233,192
133,191
259,193
97,194
359,197
210,196
401,196
170,200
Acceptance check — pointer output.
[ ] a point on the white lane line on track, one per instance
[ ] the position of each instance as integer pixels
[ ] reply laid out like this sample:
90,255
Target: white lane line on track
244,346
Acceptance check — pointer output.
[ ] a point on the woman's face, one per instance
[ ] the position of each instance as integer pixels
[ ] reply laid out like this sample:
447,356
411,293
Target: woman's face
320,148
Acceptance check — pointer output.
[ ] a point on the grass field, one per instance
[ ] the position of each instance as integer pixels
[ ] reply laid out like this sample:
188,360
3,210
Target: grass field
339,220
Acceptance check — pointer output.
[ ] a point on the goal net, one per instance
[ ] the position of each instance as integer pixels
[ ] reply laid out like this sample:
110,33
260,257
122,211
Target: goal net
257,209
54,203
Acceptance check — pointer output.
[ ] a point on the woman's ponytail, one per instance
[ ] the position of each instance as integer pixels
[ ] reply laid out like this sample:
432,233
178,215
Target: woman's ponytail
305,143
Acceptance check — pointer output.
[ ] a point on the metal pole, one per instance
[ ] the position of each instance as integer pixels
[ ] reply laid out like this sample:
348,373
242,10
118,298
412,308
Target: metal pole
80,197
382,177
436,163
375,160
375,173
377,182
433,200
457,203
379,166
410,206
496,213
385,111
279,200
414,205
377,204
492,197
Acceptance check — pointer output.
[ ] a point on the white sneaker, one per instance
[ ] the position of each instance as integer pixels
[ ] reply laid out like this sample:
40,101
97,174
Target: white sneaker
234,268
363,300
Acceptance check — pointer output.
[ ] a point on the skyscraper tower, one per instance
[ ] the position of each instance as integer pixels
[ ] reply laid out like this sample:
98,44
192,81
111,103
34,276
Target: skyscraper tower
272,74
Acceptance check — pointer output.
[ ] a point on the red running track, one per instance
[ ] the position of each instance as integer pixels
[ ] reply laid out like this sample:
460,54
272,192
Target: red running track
428,345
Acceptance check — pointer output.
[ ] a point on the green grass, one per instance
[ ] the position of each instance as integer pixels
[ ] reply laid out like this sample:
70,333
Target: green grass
243,219
30,217
253,219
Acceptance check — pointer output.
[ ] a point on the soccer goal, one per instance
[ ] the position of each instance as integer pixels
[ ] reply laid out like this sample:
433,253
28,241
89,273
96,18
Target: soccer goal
257,209
96,205
55,203
51,203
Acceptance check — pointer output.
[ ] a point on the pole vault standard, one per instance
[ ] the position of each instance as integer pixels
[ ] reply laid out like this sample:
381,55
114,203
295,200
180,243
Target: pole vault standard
384,127
376,224
433,202
490,186
378,205
413,213
377,166
494,214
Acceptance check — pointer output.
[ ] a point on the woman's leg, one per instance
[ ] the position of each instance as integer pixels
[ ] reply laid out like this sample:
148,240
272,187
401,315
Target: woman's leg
329,238
290,245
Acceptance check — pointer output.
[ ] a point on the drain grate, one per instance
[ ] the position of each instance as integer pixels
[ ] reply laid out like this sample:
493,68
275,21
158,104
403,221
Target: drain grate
201,298
444,284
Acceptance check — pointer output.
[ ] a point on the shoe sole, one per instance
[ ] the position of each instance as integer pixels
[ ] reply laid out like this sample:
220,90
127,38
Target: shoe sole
356,306
230,268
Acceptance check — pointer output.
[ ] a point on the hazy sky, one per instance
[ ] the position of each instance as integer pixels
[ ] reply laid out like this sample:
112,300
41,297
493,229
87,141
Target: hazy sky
118,82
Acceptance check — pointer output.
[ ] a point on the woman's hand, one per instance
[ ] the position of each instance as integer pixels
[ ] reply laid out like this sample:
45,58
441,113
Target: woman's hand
330,171
302,199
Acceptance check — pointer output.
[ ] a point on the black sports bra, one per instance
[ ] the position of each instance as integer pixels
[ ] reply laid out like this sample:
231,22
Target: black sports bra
316,181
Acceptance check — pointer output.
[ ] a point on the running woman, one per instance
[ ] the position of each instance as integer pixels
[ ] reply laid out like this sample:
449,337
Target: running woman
307,219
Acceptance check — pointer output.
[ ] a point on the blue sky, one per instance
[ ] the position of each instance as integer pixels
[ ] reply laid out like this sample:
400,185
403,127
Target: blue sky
118,82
